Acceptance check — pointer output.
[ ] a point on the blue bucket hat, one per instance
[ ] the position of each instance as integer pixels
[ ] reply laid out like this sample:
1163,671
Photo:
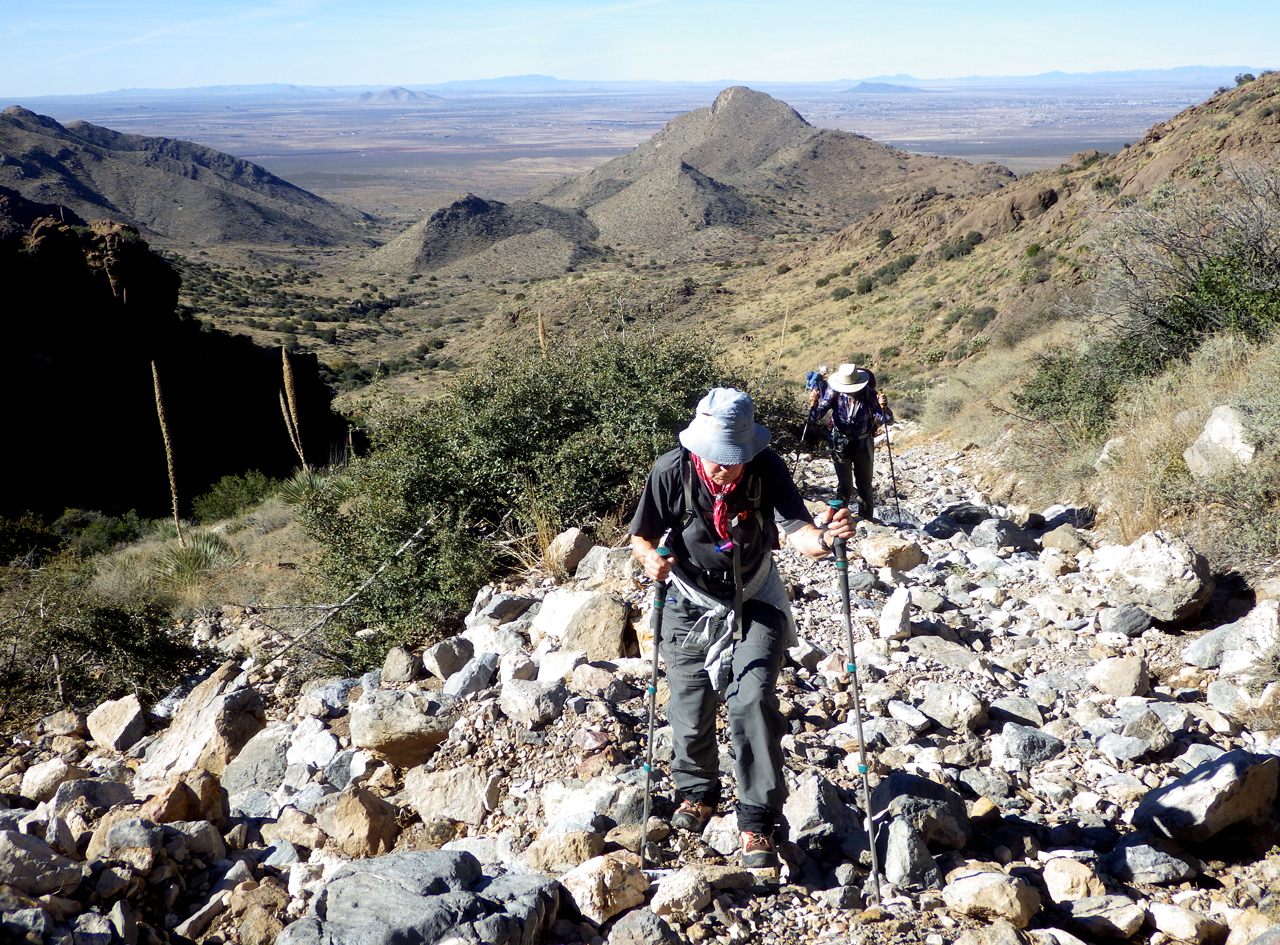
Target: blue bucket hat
724,430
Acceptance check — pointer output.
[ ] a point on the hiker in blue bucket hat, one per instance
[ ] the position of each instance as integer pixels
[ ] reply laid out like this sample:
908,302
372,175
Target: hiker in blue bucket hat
719,503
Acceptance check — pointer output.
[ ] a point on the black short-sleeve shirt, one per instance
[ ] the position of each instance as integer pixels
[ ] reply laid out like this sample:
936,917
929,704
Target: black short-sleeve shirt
662,504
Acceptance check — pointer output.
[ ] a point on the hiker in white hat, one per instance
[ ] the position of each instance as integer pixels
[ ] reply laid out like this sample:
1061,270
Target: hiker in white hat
857,412
716,503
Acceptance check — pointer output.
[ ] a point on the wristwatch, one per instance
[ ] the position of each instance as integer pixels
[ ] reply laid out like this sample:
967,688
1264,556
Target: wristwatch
822,539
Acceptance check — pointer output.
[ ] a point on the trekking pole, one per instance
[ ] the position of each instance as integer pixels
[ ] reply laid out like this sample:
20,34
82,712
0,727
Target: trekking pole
838,547
659,601
893,477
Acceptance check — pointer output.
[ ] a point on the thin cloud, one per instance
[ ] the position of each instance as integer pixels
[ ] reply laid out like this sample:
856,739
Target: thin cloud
453,36
285,7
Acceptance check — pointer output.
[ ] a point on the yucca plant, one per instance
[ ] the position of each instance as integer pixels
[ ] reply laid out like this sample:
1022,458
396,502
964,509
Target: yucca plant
306,483
204,552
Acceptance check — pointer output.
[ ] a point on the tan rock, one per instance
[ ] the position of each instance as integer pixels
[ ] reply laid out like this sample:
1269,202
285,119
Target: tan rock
118,724
1120,676
466,794
889,551
296,827
582,620
1247,925
176,801
40,782
365,824
97,847
213,724
559,853
568,549
1184,924
605,885
1067,880
990,895
685,891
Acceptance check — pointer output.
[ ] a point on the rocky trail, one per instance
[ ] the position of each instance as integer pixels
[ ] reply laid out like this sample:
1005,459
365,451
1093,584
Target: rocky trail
1068,740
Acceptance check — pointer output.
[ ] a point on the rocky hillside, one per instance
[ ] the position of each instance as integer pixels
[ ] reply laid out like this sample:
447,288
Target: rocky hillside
492,240
1068,742
90,308
711,180
168,189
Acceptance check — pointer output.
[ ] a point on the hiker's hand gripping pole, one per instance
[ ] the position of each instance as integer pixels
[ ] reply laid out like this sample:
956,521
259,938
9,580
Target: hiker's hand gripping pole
840,550
659,601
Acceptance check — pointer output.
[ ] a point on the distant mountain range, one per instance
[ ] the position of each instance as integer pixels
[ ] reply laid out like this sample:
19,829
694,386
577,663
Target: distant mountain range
1206,77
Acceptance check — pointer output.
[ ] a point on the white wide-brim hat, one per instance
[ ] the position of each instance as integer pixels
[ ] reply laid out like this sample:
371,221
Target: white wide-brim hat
849,379
724,429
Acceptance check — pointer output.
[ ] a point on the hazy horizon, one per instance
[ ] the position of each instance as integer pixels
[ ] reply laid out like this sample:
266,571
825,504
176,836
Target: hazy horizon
73,48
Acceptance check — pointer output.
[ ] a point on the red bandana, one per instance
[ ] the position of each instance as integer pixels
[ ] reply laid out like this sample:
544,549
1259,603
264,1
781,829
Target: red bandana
720,511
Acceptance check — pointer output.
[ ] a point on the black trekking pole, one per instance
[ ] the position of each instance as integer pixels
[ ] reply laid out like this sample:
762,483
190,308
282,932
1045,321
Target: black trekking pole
659,601
893,477
838,547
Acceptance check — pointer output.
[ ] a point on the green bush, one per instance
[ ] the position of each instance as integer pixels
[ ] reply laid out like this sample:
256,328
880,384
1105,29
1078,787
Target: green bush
890,351
884,238
889,273
782,269
89,532
841,292
27,539
864,285
231,495
962,247
982,317
563,438
63,646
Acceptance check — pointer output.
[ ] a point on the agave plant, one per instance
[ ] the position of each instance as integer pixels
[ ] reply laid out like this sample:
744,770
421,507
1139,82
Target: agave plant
205,551
306,483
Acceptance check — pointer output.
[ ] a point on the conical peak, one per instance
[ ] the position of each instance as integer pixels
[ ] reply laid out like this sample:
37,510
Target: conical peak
738,100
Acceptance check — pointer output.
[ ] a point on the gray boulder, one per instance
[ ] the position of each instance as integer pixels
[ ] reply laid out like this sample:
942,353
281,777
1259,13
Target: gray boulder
261,763
1002,533
1130,620
1238,787
1224,445
475,676
1137,860
935,811
1030,746
447,657
906,857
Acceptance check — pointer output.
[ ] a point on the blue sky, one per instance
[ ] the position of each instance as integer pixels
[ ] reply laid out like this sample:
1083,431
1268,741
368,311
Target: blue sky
53,47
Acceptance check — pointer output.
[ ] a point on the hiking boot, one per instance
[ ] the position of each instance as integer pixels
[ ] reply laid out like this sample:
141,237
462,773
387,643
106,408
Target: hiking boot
758,850
692,815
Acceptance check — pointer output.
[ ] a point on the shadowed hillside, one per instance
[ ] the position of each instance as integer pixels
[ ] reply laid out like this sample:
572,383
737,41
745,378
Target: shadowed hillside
89,309
166,188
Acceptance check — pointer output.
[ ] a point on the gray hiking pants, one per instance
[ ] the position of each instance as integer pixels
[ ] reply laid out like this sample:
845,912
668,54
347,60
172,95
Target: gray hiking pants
756,725
857,471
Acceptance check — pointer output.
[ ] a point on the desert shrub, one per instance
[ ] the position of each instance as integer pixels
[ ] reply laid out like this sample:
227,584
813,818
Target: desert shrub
957,313
934,356
889,273
1032,275
1033,250
231,495
982,317
27,539
847,270
782,269
571,433
884,238
64,646
839,293
961,247
864,285
823,282
890,351
89,532
1182,274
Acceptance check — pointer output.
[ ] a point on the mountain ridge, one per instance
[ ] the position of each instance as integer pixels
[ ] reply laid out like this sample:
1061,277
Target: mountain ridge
167,188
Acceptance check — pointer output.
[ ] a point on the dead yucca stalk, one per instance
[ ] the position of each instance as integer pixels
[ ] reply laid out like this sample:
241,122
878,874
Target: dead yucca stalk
168,452
542,333
289,407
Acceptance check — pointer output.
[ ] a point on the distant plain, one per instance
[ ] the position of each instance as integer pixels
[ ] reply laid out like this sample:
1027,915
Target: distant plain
400,161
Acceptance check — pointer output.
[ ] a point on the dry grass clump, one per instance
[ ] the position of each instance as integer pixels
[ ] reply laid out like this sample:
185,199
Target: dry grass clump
254,558
967,406
1158,420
